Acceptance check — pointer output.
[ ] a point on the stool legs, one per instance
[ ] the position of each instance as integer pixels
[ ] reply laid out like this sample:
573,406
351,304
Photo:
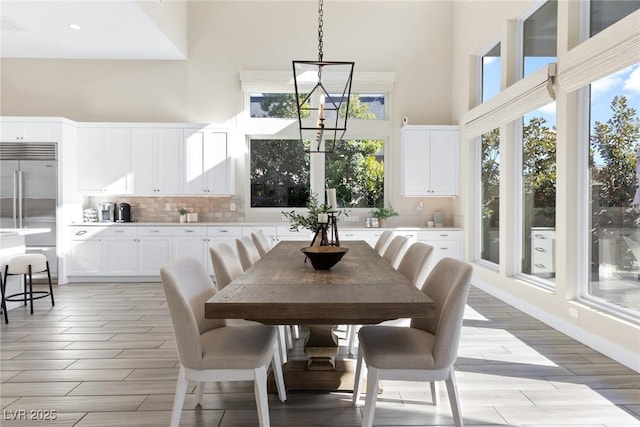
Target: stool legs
53,303
4,303
28,288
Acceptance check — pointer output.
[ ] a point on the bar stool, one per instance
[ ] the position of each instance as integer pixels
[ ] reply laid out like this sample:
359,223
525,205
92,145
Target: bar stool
26,264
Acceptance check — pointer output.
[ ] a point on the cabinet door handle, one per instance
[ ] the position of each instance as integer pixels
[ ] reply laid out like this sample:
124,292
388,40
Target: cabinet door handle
349,234
444,235
154,231
224,231
188,231
444,249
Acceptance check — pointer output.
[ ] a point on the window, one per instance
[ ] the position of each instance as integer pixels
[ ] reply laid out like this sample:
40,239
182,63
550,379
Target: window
539,38
604,13
491,73
283,106
279,173
539,192
490,196
282,174
614,144
356,171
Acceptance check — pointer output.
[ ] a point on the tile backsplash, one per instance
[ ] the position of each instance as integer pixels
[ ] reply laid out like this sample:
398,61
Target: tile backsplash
165,209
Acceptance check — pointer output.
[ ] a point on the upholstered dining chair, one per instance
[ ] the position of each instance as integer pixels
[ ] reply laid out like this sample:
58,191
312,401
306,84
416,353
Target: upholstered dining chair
383,241
397,247
209,349
226,267
427,350
414,265
247,251
263,245
226,264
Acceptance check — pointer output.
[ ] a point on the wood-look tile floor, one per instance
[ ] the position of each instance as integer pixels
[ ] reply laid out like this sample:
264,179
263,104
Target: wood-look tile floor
105,356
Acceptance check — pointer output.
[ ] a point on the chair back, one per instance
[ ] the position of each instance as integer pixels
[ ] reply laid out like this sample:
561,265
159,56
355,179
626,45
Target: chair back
187,287
383,241
395,250
415,263
263,245
226,264
448,286
247,251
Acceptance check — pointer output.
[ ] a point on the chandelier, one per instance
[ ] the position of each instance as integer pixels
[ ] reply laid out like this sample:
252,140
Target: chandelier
322,89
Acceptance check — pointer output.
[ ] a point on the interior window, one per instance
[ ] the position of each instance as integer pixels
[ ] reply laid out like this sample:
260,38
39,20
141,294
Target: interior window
539,38
491,65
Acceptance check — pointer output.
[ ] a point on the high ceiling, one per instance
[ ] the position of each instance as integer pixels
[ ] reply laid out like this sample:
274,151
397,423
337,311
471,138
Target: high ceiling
109,29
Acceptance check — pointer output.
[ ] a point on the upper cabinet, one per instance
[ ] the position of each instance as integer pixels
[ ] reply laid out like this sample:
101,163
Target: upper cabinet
157,161
104,160
429,160
21,131
208,165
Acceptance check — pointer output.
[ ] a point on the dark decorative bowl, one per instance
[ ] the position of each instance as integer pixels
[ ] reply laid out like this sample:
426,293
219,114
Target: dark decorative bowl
324,257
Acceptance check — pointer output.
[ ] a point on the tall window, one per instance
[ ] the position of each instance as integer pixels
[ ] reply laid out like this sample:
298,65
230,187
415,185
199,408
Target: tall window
539,192
539,37
490,197
491,71
614,147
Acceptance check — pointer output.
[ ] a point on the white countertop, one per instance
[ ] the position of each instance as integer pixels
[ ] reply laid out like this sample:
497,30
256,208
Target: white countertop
22,231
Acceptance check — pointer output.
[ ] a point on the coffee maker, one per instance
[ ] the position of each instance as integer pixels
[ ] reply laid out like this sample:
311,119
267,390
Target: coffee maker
124,213
105,212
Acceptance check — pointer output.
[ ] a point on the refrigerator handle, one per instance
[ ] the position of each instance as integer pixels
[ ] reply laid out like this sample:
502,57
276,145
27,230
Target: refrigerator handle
20,199
15,199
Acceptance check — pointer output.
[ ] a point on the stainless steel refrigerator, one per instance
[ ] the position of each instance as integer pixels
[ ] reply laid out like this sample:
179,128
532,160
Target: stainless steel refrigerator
28,194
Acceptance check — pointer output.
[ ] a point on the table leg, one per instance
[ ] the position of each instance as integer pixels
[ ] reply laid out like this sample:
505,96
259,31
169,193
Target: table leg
321,347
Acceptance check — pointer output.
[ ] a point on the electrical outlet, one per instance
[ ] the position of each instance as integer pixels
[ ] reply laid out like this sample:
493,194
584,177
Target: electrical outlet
573,312
232,207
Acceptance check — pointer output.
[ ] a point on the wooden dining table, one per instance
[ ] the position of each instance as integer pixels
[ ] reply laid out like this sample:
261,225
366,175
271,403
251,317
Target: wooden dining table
283,288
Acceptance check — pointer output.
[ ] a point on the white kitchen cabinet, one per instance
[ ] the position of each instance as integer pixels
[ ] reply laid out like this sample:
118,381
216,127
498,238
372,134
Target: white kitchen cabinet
104,160
446,243
429,160
155,249
156,159
20,131
120,251
193,242
209,169
284,233
84,257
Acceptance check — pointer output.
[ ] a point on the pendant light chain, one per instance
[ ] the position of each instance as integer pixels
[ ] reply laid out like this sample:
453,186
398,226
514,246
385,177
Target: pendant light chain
320,23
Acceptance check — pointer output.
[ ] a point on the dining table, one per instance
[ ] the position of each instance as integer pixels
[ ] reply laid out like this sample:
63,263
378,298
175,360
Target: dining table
283,288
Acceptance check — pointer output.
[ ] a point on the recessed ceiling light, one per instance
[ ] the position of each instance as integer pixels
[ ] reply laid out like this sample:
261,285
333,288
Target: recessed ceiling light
74,26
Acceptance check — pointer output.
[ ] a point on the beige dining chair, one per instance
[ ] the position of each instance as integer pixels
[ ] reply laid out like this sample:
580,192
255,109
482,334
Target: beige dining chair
209,349
427,350
226,267
414,265
247,251
383,241
396,249
226,264
261,241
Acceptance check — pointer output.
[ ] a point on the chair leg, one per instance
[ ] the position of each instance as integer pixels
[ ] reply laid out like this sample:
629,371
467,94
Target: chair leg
260,389
53,303
357,385
372,395
452,391
352,332
288,336
435,398
282,343
295,331
200,392
178,402
30,289
4,303
24,289
276,364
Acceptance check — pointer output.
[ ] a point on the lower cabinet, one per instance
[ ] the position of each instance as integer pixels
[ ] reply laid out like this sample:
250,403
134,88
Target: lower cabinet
155,246
446,243
84,257
120,251
192,242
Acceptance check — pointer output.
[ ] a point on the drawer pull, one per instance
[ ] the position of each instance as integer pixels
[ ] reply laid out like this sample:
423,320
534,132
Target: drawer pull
119,231
444,249
540,236
541,265
444,235
81,232
540,249
224,231
348,234
154,231
188,231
